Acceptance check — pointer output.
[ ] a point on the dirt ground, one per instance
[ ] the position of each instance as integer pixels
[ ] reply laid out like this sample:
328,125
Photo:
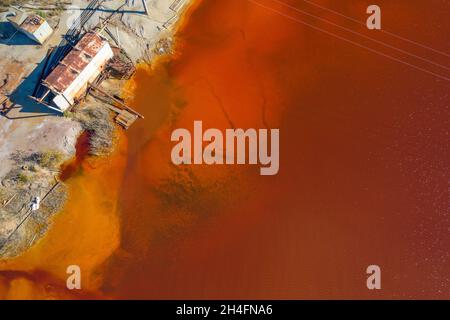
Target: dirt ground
29,128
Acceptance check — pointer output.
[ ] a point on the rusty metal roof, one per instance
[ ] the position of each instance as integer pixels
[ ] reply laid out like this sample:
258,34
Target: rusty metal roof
74,62
32,23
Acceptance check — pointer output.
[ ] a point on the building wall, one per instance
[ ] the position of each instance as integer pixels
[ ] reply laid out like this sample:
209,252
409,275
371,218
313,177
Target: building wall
79,85
43,33
61,102
40,35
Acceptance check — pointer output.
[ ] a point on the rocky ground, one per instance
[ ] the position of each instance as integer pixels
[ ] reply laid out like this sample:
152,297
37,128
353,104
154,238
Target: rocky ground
35,141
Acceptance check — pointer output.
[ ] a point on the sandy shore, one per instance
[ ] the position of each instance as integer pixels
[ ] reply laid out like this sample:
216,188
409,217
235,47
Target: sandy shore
29,131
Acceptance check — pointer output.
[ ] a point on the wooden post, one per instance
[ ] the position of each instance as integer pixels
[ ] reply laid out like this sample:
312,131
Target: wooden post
117,35
10,199
45,95
124,106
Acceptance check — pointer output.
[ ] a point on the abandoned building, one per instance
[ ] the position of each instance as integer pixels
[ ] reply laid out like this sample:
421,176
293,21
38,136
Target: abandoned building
32,25
80,67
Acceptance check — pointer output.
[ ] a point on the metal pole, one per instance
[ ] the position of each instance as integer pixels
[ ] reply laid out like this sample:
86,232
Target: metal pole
144,2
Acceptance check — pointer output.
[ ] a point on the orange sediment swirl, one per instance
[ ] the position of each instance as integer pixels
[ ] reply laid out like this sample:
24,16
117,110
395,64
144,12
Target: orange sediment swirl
358,172
85,233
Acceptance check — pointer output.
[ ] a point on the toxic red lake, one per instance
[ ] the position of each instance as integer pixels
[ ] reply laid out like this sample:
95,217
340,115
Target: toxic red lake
363,173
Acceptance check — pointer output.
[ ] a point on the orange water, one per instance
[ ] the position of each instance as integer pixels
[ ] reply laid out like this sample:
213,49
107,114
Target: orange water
363,175
86,233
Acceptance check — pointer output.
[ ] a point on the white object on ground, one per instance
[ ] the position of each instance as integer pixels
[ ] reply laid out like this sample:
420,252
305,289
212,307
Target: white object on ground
35,203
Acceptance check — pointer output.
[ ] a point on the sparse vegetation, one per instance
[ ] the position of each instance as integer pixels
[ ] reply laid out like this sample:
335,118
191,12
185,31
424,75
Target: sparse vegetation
68,114
31,172
10,2
50,159
22,177
54,6
4,4
41,13
97,121
3,195
35,226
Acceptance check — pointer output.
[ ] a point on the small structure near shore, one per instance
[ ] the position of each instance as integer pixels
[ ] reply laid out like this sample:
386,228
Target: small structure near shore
84,66
72,76
32,25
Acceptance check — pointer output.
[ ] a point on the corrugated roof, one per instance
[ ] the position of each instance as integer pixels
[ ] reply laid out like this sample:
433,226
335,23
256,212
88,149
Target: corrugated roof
32,23
75,62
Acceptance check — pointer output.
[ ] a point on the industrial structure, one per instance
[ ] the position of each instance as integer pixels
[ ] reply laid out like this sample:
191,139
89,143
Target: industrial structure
81,66
83,59
32,25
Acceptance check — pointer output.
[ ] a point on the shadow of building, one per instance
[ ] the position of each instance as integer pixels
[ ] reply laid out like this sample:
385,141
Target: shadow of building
12,37
23,106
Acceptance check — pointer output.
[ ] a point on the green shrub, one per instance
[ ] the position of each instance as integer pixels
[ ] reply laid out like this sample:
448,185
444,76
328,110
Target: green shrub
3,195
23,177
68,114
41,14
50,159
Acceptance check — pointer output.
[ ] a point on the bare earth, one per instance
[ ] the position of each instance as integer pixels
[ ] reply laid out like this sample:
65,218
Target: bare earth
29,131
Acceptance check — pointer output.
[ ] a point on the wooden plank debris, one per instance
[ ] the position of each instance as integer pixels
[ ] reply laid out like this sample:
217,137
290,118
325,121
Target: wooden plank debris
125,119
126,116
117,101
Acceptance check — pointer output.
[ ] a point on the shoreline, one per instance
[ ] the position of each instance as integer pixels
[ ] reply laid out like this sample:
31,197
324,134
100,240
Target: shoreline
16,246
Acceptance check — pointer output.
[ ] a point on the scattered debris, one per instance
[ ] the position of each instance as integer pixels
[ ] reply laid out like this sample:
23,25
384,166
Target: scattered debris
120,66
28,195
126,115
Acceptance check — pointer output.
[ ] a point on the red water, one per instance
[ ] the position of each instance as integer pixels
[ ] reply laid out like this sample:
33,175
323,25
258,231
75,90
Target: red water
363,167
74,166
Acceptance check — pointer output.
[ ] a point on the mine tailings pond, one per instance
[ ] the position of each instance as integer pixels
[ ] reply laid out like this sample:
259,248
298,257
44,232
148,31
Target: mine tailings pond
360,170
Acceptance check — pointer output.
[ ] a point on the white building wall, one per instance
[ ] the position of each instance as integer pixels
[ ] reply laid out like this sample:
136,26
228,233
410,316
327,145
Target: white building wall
86,76
39,35
43,32
61,102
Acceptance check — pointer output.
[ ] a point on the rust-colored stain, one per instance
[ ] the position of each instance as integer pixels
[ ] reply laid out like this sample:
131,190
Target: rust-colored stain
363,171
32,23
75,62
